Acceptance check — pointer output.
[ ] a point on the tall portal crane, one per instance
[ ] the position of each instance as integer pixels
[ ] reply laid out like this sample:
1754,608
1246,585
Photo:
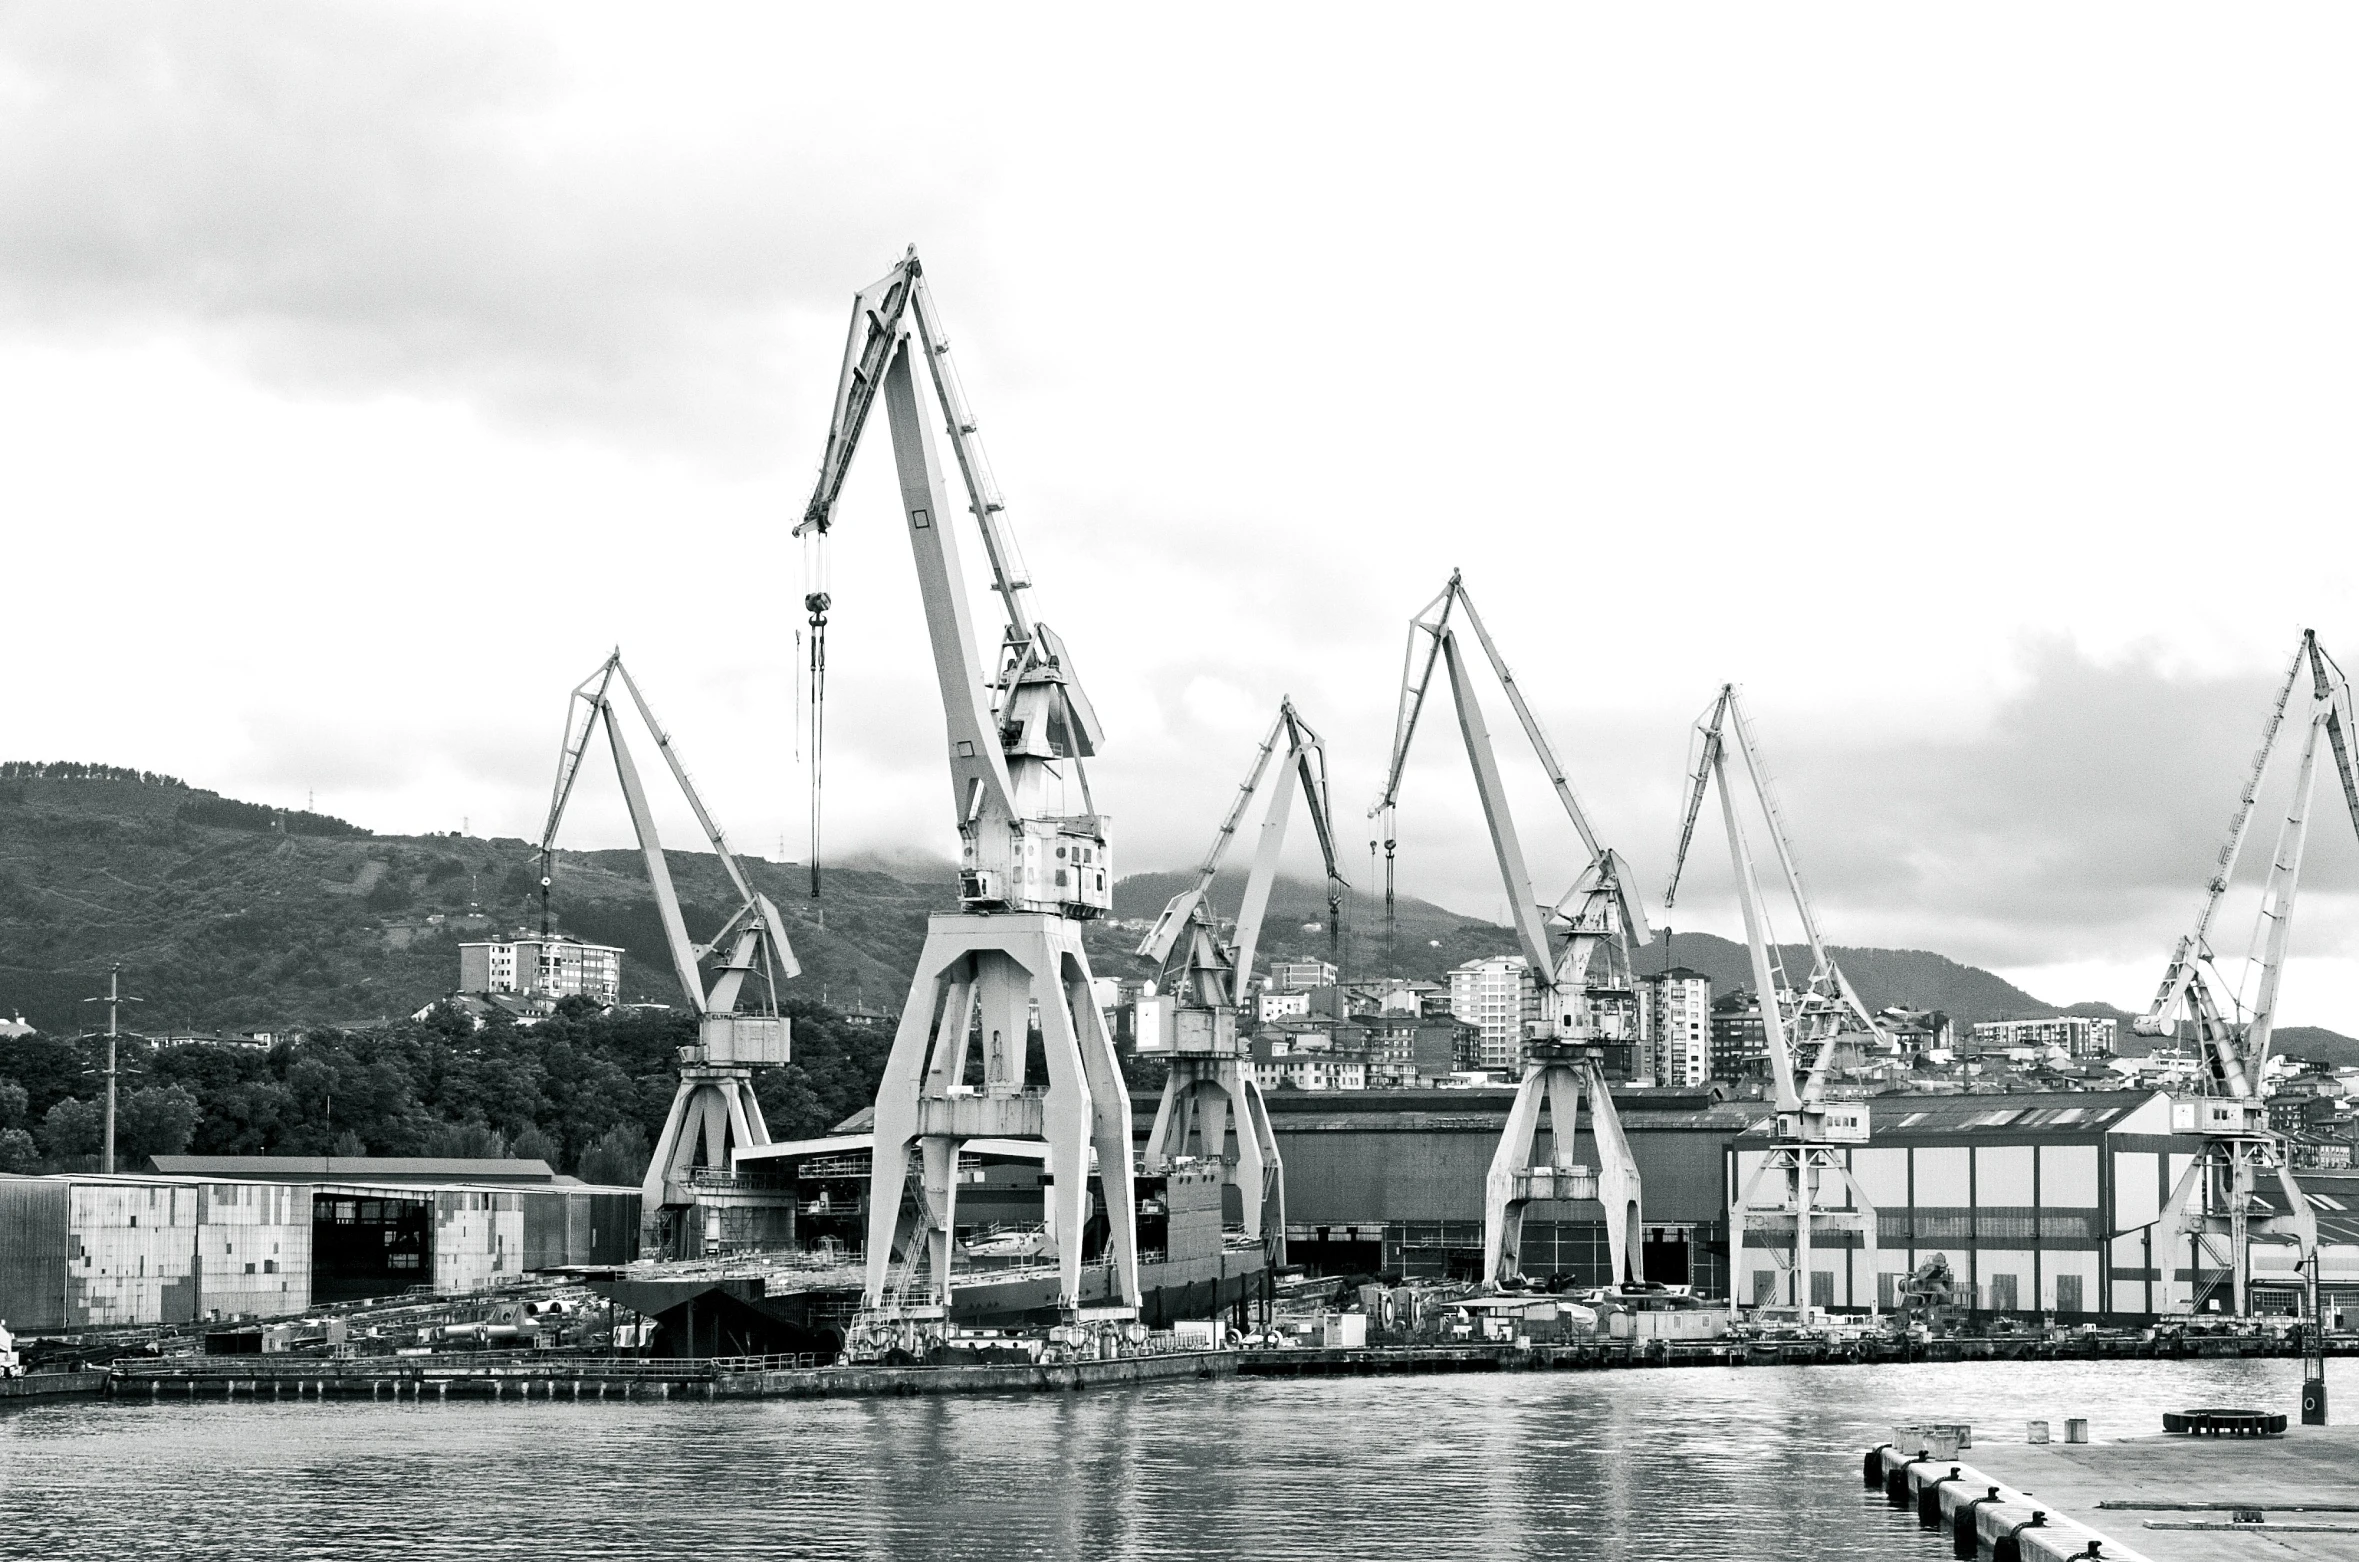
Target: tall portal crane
714,1109
1205,976
1586,1002
1033,859
1798,1024
2215,1198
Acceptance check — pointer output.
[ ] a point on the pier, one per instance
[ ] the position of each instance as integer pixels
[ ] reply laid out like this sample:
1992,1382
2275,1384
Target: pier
2166,1498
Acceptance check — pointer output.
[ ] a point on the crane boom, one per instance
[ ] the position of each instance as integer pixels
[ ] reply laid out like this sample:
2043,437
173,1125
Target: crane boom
1522,906
1828,987
1824,970
1304,768
1019,724
1606,874
1156,946
592,705
2193,947
1557,778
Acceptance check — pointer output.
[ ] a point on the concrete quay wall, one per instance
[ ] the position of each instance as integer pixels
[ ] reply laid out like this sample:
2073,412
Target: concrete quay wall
40,1385
1953,1497
835,1382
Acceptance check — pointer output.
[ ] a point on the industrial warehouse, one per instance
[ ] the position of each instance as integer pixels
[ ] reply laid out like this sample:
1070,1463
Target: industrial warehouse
2040,1204
270,1237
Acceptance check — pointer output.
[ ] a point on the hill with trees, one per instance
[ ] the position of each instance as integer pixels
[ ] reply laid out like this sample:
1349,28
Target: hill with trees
228,915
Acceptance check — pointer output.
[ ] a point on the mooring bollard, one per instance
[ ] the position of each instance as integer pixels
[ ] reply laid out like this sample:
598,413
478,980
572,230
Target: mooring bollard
2035,1431
2076,1430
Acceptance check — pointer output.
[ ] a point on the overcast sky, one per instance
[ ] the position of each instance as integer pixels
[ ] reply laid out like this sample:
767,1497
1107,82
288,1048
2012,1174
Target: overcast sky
1974,387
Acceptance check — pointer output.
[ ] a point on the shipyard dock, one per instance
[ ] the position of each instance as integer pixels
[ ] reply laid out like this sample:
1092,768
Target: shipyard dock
527,1376
2166,1498
49,1385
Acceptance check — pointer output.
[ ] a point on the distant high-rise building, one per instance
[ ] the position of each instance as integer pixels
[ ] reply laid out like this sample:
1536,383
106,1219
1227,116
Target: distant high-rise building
1676,1010
1740,1047
1495,995
1300,976
2080,1035
547,967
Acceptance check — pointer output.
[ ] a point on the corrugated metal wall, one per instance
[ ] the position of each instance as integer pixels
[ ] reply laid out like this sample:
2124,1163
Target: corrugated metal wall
133,1257
33,1249
254,1249
545,1219
132,1251
478,1239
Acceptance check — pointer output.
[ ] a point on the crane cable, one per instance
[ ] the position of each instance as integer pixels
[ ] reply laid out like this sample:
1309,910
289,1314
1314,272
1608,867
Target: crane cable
816,602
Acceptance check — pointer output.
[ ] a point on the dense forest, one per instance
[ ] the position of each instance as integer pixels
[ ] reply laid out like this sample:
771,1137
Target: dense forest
583,1090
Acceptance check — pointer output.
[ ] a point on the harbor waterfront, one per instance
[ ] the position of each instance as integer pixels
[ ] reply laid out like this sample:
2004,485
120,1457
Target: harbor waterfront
1691,1466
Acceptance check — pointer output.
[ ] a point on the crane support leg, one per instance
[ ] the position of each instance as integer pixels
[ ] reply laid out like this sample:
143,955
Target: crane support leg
1617,1171
2170,1236
1503,1212
714,1111
1514,1182
1262,1178
1009,967
1202,1098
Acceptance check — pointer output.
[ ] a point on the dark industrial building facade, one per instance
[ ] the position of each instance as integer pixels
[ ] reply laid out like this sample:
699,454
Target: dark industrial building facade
1391,1182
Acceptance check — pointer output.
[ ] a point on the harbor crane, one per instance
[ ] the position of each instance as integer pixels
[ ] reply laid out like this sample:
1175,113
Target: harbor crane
2215,1198
1034,863
1203,977
1586,1004
1801,1026
713,1110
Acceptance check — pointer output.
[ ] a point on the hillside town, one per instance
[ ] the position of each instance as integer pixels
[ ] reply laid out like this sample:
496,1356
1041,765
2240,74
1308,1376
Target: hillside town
1312,1030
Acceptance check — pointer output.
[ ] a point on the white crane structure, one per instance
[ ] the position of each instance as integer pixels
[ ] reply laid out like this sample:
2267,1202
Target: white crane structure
2214,1200
1801,1025
1205,976
1578,950
714,1110
1033,857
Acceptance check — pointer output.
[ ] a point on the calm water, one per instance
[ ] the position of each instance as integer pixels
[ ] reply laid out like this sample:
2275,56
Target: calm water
1691,1464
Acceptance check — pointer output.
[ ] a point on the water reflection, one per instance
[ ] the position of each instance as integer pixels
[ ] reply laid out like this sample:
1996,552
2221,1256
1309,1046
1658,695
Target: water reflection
1689,1465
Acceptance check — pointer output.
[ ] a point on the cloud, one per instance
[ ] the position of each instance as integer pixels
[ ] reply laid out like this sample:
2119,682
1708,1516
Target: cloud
357,199
2077,819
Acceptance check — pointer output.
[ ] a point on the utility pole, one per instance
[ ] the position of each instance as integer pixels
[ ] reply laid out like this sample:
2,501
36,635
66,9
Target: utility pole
2313,1347
114,1000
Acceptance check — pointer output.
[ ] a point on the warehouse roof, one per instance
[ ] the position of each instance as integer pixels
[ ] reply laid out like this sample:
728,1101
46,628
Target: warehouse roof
2012,1113
352,1168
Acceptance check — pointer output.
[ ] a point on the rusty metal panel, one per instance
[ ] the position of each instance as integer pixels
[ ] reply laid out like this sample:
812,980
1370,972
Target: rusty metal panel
578,1223
33,1250
544,1229
614,1228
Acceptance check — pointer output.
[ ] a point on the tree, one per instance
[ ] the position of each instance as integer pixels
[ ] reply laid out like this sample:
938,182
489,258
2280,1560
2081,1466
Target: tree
473,1141
618,1158
18,1153
154,1120
15,1104
530,1144
73,1127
